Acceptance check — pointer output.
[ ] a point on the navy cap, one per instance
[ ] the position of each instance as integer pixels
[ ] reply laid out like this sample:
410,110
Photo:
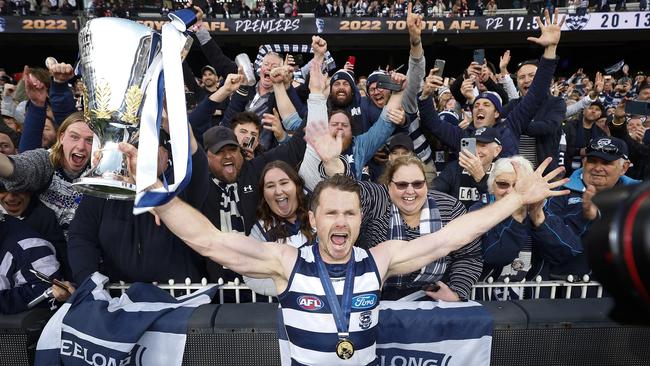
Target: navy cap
607,148
486,135
401,140
600,105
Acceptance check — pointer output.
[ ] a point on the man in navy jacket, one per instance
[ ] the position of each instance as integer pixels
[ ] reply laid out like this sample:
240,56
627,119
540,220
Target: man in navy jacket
544,129
603,168
105,236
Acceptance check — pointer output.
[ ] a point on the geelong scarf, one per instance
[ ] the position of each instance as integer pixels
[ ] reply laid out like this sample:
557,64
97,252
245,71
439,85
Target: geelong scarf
145,326
430,222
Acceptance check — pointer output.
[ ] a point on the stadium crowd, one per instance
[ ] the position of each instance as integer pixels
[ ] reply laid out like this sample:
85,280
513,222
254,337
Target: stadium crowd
424,147
295,8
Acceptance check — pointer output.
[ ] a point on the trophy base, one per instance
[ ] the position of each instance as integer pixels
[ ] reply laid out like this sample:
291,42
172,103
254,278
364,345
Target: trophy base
103,188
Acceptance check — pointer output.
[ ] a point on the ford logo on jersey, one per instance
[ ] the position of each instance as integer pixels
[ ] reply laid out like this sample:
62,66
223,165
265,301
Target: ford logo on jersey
310,303
364,301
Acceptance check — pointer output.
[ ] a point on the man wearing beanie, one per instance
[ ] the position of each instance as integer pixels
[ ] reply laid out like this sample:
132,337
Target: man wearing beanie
345,95
487,109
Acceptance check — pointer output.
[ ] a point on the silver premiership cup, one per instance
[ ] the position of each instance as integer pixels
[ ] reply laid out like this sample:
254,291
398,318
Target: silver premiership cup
117,58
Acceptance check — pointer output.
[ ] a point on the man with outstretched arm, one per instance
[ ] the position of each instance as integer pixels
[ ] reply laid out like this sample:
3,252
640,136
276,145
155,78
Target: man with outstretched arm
308,280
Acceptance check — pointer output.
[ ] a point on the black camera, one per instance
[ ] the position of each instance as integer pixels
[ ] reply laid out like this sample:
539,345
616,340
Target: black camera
618,248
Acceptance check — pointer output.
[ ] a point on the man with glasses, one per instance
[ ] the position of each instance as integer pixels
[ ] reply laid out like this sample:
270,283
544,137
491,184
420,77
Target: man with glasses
604,167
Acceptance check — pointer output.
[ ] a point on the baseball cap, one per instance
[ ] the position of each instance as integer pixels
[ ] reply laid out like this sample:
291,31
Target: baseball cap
208,68
607,148
486,135
217,137
401,140
600,105
7,112
624,80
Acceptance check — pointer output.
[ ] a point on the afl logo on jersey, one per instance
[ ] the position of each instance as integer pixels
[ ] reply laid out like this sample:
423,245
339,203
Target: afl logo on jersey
310,303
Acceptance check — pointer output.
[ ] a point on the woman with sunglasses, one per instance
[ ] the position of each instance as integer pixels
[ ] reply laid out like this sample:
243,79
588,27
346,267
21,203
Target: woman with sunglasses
282,214
526,244
401,207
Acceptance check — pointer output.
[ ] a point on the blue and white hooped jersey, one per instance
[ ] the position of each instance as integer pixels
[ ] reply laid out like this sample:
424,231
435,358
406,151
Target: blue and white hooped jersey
308,321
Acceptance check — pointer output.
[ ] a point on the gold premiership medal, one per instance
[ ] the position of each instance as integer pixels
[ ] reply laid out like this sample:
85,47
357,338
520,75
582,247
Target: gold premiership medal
344,349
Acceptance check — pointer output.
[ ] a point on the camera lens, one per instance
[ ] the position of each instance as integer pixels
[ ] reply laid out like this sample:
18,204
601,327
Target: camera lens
618,247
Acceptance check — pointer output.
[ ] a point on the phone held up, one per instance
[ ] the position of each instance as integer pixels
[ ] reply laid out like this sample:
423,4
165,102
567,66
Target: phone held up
385,82
352,60
249,143
637,108
440,65
45,278
479,56
469,144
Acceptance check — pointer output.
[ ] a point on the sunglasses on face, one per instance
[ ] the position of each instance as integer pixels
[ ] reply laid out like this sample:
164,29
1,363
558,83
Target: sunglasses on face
504,185
416,184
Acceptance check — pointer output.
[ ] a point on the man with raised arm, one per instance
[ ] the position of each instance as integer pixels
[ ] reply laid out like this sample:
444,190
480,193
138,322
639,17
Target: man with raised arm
321,329
308,281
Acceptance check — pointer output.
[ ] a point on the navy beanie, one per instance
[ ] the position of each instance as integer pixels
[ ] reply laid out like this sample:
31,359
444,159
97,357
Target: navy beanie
374,77
343,75
492,97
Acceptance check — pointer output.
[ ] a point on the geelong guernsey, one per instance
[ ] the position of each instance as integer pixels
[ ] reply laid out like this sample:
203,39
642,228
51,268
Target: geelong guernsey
308,321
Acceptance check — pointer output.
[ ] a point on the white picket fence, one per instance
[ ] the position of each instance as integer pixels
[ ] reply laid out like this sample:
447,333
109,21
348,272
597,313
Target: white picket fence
569,288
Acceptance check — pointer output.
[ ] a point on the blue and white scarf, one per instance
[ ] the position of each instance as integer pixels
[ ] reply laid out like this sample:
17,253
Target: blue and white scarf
430,222
145,326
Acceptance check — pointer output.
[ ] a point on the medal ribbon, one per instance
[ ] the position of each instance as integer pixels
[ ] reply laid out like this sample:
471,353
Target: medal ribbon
340,311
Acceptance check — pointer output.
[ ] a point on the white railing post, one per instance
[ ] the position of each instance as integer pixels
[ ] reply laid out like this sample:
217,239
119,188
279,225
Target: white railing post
569,287
538,287
486,288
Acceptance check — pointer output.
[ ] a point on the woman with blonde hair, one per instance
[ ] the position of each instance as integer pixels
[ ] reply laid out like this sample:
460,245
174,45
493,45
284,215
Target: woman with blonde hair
527,243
